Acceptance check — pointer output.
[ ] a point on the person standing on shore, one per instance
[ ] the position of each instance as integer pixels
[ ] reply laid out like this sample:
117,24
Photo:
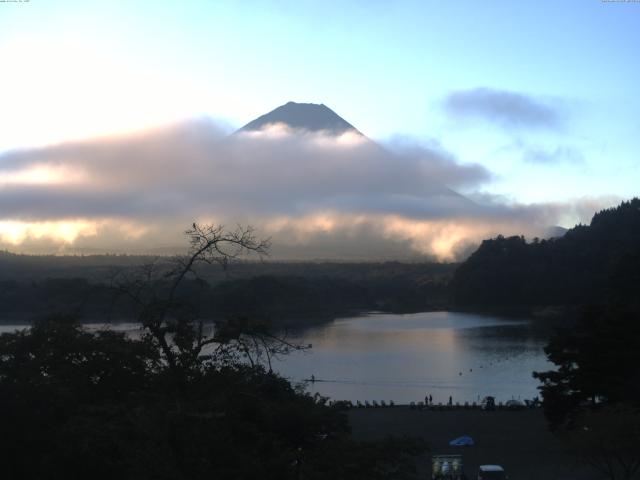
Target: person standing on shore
450,400
430,400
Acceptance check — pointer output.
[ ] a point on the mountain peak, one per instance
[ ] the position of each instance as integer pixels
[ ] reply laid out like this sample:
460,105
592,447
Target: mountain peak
312,117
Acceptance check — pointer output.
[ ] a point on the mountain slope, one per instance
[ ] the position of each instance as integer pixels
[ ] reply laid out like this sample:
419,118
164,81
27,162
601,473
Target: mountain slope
303,116
311,117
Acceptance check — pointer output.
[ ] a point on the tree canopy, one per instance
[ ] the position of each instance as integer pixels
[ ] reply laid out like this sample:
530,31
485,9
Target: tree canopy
173,402
586,265
596,364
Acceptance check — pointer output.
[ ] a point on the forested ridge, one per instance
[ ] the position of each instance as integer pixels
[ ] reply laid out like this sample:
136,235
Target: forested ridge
591,396
275,291
587,265
590,280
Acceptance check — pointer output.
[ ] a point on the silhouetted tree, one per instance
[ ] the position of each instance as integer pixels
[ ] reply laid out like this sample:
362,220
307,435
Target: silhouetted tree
592,398
173,322
80,404
597,362
63,394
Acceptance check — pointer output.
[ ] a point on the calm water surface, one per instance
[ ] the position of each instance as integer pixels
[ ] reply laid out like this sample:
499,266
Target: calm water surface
405,357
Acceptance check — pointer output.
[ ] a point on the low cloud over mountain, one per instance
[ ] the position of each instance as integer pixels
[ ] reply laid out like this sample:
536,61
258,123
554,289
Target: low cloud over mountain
315,184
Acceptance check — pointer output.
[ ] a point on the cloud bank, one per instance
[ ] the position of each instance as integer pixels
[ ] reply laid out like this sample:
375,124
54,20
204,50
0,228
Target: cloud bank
315,194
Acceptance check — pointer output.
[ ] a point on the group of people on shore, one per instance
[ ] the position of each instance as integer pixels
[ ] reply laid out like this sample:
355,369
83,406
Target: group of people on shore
428,400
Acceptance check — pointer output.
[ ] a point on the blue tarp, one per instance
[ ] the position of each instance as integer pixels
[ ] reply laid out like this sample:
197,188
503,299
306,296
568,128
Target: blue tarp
464,441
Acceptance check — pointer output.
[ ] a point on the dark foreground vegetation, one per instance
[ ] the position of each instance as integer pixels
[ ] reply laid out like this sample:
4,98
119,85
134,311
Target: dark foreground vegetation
592,397
591,278
81,405
178,404
174,403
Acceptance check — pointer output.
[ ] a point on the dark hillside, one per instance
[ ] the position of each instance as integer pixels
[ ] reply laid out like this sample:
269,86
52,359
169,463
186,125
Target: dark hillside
33,286
588,264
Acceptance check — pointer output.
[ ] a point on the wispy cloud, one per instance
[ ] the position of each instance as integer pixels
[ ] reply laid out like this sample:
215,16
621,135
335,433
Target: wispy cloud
536,154
505,108
561,154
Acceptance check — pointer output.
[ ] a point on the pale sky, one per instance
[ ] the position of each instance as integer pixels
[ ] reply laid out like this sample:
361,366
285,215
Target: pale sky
542,94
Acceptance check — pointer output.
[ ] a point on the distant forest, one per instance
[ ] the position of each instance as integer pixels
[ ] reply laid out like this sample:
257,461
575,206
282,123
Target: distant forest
278,292
590,264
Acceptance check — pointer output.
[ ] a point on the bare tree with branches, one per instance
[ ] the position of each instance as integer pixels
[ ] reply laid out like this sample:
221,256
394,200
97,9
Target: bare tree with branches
176,326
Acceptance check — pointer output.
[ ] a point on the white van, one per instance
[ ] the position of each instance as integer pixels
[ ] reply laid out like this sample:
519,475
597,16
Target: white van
491,472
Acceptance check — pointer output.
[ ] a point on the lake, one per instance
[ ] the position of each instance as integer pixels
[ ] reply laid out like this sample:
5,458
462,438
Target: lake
381,356
405,357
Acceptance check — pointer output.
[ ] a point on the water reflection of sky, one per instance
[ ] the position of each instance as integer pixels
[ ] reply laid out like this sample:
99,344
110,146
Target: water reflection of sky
405,357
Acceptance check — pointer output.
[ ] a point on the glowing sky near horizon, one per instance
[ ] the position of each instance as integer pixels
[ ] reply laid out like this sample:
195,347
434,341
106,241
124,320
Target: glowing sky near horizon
544,95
